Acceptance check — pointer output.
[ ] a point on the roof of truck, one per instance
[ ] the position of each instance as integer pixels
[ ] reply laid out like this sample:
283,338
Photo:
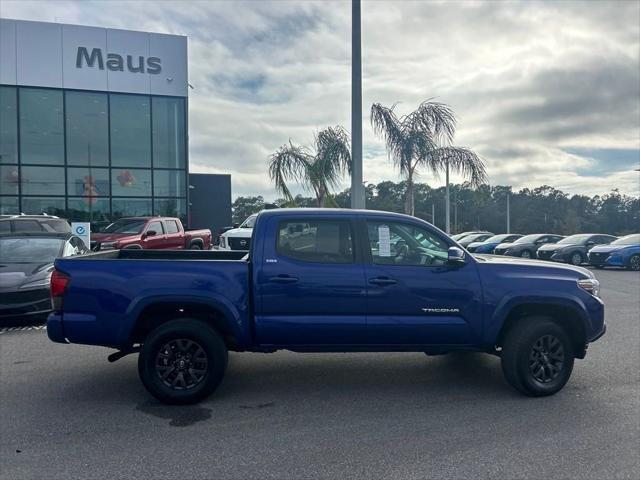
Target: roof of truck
332,211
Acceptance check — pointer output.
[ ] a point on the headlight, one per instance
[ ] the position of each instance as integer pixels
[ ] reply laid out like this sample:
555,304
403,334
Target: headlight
36,284
108,245
591,285
222,242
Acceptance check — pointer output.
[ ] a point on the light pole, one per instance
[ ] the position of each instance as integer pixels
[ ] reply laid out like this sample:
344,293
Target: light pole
508,213
357,189
447,206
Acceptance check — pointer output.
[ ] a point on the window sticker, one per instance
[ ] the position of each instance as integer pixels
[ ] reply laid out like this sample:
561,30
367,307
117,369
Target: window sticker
384,241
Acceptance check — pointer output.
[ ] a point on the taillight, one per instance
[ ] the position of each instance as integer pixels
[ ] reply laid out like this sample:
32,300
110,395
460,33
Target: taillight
59,282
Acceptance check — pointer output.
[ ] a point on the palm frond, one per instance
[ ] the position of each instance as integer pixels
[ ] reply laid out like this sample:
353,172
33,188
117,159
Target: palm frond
435,118
464,162
290,162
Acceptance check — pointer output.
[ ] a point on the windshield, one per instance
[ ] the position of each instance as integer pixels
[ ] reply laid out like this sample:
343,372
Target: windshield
30,250
575,240
479,237
126,226
249,222
628,240
498,238
529,238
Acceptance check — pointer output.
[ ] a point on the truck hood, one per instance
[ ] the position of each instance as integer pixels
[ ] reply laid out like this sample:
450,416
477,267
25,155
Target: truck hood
112,237
533,264
239,233
16,275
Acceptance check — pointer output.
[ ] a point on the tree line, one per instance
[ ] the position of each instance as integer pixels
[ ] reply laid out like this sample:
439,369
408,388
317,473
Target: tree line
539,210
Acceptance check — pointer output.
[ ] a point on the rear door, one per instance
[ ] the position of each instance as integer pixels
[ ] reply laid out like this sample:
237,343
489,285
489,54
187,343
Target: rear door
311,286
174,238
414,296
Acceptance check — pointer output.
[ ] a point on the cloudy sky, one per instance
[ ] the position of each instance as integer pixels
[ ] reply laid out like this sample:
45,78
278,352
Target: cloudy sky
547,93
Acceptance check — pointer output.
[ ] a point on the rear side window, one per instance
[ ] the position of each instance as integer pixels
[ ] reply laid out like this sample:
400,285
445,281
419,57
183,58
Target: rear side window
318,241
26,226
55,226
172,226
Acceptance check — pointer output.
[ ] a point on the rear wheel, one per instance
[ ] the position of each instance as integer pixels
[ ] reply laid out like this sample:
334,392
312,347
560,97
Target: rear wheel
182,361
195,246
537,356
634,263
526,254
575,258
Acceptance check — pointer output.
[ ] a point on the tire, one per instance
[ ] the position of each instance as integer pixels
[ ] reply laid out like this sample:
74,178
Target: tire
524,362
195,246
576,258
599,267
634,263
175,350
526,254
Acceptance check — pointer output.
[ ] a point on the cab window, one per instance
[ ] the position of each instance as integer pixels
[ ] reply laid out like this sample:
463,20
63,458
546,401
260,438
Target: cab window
156,227
318,241
396,243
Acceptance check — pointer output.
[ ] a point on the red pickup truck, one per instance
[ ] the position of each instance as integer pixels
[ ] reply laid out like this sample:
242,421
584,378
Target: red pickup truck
166,233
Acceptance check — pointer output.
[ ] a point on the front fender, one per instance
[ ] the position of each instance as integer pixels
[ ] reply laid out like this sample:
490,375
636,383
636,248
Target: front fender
513,301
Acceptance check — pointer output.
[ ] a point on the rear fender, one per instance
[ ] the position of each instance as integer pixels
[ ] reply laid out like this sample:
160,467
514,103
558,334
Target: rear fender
234,320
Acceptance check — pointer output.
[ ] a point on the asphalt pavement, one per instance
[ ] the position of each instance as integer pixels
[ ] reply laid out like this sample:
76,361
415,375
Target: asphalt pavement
65,412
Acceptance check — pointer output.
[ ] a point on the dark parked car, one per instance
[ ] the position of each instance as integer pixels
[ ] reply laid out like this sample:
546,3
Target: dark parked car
476,237
459,236
527,246
26,263
573,249
33,223
624,252
490,243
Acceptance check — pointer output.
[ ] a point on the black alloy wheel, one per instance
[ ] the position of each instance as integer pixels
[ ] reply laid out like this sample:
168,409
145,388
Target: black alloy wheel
634,263
576,258
546,358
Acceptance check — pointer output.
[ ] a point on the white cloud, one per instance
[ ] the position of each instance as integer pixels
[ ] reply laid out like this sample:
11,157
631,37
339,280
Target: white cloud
528,80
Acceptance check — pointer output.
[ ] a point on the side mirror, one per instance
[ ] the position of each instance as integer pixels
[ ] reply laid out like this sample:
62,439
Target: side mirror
150,233
455,256
236,225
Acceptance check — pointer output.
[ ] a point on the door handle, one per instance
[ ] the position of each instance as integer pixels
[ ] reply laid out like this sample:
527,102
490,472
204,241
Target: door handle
283,279
382,281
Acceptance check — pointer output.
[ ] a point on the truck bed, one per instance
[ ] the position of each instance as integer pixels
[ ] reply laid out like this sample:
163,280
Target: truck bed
109,292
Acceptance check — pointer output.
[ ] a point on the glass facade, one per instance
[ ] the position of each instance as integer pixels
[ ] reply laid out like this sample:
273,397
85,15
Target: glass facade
92,156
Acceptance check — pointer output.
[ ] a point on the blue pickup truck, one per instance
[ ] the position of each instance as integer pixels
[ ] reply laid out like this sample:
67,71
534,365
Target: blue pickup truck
323,280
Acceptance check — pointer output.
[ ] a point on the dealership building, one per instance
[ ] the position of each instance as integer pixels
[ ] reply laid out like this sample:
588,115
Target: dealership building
94,125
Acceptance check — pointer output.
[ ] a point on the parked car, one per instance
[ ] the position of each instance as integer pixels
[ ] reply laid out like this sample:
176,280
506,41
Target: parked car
33,223
573,249
490,243
26,263
460,236
239,238
476,237
624,252
527,246
166,233
323,280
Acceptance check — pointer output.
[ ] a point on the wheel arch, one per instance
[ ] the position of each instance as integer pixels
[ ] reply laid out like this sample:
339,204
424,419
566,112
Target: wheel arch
565,314
152,313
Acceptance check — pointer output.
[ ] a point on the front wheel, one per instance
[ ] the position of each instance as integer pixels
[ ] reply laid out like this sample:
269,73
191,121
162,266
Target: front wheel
182,361
575,258
537,357
526,254
634,263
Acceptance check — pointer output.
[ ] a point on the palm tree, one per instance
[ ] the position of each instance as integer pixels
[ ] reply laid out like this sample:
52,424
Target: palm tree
423,139
319,171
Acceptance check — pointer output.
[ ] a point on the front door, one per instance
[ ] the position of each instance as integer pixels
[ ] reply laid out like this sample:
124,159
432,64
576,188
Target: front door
311,287
151,242
414,296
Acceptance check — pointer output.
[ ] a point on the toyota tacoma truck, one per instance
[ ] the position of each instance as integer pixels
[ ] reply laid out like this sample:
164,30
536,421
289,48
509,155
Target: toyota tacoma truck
323,280
150,233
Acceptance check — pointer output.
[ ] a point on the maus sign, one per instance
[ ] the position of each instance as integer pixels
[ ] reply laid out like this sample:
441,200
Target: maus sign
116,62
